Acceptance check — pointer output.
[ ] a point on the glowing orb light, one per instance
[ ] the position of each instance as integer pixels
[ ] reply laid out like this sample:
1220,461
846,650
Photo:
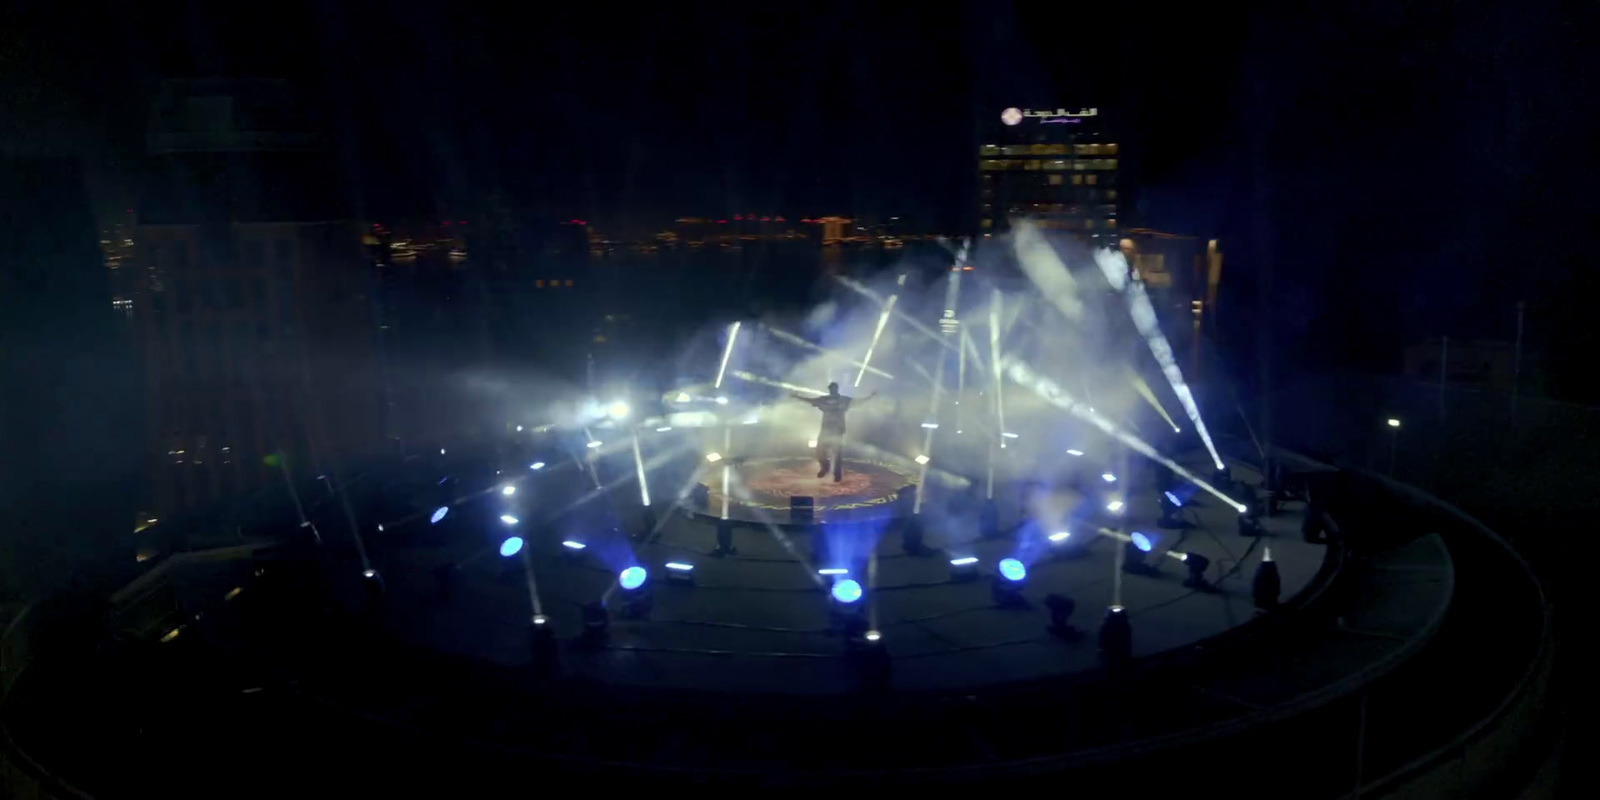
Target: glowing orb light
438,514
1012,569
847,591
632,578
511,546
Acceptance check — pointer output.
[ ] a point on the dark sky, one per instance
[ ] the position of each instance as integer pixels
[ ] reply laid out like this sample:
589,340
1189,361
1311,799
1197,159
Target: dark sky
1405,169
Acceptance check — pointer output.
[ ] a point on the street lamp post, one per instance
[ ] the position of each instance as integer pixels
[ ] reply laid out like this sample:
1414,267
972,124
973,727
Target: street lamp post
1394,438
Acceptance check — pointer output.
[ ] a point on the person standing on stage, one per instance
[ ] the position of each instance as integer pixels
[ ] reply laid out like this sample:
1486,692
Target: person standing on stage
830,440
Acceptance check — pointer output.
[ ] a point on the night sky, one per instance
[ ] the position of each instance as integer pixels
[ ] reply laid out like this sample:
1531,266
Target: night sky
1406,169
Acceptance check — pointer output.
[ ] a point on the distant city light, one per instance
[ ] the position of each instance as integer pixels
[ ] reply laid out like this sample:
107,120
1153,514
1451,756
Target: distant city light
1011,116
873,636
508,491
519,429
441,451
1394,423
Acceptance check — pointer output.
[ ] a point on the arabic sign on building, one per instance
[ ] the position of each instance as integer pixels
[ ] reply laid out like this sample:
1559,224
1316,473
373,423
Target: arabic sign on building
1015,116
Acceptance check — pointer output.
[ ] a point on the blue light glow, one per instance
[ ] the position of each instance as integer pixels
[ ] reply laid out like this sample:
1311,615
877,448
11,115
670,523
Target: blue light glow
438,514
847,591
1141,541
632,578
1173,499
1012,569
511,546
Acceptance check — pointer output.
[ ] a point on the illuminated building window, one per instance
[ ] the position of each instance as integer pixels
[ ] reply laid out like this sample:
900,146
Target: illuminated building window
569,281
1112,224
1111,194
1093,179
989,150
1109,149
1106,163
992,164
538,284
986,223
1077,180
1055,180
1055,165
1081,149
1031,164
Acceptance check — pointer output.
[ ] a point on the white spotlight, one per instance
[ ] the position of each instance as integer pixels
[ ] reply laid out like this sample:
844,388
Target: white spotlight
594,443
1075,453
811,443
573,545
663,429
921,459
683,397
1060,536
873,636
713,457
1114,506
721,401
1394,423
519,429
537,465
508,519
1108,477
618,410
441,451
1009,435
931,425
833,571
508,491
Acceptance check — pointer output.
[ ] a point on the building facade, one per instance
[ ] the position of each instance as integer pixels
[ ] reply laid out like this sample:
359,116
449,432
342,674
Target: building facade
253,313
1057,167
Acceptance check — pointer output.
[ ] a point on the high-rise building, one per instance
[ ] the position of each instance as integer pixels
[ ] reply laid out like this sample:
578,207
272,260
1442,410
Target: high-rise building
254,313
1055,166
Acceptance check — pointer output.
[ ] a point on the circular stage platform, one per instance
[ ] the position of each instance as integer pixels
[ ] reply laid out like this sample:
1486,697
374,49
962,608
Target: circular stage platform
761,488
759,621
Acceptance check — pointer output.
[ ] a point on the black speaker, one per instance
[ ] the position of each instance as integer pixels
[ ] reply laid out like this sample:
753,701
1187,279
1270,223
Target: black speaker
802,510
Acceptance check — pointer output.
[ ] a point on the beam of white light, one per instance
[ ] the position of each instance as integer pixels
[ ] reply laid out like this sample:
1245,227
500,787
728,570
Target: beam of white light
727,469
796,340
1040,263
1053,394
883,320
638,464
1150,397
733,335
994,358
915,324
1115,267
777,384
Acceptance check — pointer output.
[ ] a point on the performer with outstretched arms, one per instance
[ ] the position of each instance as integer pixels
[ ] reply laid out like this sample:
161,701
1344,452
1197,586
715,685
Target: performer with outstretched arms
830,440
